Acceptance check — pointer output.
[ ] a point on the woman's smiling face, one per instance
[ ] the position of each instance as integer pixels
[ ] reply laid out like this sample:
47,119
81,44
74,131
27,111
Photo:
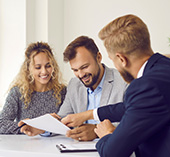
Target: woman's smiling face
41,70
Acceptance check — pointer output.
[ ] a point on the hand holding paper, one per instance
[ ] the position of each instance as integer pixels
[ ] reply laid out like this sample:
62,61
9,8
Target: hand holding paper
48,123
29,130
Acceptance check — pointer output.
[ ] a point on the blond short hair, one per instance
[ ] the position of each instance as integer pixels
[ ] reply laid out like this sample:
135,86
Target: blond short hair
126,34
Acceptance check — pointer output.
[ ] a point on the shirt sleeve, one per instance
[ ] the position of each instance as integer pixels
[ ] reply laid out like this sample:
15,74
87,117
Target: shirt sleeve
8,125
95,115
46,134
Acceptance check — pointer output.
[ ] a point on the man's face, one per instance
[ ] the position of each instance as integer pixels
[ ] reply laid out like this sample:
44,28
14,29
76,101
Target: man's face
85,67
124,73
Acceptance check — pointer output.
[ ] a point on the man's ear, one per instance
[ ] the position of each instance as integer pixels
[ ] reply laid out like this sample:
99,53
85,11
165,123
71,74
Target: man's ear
122,58
99,57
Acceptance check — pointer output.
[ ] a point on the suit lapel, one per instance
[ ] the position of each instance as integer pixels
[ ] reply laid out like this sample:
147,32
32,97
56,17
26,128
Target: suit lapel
106,91
107,86
83,98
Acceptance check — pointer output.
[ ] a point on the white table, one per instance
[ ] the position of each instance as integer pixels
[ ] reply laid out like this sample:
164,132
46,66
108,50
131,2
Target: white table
25,146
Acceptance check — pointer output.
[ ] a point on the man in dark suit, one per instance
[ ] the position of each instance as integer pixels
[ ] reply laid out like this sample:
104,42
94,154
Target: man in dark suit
145,118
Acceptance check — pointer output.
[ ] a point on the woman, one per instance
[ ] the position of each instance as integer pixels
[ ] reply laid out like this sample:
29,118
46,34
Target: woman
36,90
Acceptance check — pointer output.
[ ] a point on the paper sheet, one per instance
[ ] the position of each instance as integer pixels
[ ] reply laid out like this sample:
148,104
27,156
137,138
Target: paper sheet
48,123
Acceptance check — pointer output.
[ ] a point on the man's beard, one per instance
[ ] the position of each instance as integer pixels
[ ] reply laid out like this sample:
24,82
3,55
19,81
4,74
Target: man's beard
127,76
94,78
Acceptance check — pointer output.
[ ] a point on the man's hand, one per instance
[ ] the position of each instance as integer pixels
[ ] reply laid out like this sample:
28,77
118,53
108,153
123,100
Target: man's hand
84,132
104,128
29,130
74,120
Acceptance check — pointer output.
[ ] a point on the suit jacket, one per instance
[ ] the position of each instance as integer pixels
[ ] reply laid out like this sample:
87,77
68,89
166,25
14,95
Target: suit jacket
76,99
145,125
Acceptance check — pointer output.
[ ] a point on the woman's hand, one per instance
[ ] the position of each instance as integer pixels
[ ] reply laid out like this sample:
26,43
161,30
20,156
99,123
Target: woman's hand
29,130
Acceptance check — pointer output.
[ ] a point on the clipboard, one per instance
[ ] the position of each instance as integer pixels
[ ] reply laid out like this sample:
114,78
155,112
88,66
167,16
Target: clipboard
77,147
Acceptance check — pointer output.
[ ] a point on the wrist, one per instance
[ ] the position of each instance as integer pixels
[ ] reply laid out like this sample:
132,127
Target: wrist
89,114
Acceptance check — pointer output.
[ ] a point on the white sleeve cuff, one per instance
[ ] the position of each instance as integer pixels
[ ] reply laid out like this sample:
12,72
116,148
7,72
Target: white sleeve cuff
95,115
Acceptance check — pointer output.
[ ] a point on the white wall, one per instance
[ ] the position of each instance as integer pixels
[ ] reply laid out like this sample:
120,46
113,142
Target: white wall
61,21
12,41
45,22
56,29
36,20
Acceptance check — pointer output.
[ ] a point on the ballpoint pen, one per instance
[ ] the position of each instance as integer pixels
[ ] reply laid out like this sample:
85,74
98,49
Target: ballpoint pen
19,127
22,125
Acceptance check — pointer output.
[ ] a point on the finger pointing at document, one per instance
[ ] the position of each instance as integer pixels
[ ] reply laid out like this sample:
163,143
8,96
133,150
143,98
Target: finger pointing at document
74,120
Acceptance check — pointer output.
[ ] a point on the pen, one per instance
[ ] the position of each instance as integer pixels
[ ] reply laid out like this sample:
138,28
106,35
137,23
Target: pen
59,119
22,125
19,127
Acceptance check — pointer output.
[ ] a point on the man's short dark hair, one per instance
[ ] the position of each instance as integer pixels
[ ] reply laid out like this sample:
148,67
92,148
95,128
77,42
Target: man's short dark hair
82,41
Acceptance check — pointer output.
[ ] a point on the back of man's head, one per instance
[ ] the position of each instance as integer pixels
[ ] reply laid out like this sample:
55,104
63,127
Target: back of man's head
125,35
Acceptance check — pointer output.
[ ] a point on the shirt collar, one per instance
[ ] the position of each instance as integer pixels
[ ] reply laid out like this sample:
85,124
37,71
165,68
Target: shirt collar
140,73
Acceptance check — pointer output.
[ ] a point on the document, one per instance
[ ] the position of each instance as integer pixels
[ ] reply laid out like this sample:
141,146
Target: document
77,147
48,123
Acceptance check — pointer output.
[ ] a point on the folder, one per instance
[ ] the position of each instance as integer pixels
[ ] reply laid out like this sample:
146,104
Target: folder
77,147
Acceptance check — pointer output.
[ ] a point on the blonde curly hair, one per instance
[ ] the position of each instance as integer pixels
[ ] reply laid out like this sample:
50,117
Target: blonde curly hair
24,79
